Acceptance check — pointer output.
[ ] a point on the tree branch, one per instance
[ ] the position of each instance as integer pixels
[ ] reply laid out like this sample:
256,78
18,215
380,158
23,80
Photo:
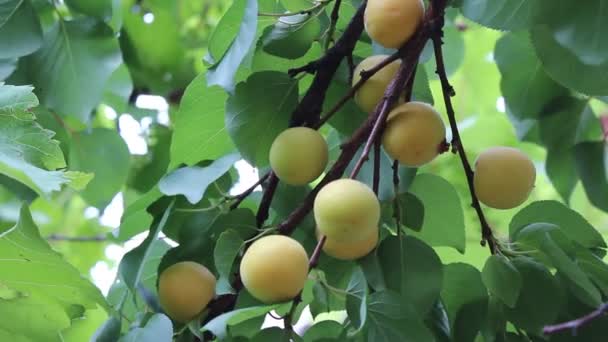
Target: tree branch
370,128
575,324
332,24
243,195
308,110
271,187
448,92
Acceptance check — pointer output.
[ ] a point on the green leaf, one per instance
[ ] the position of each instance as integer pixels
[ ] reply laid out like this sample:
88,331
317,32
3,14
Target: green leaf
192,181
225,32
565,67
502,279
349,117
412,211
199,131
258,111
585,290
28,153
224,72
413,269
110,164
579,29
19,28
73,65
226,250
323,330
526,87
500,14
443,223
38,288
292,36
7,67
95,8
591,160
132,264
571,223
158,329
540,297
391,318
422,91
439,323
466,300
356,299
219,325
119,292
551,246
453,52
109,331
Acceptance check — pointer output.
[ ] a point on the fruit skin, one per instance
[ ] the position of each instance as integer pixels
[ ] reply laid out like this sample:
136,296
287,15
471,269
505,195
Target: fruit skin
298,155
185,289
372,91
414,134
274,268
392,22
346,210
350,250
504,177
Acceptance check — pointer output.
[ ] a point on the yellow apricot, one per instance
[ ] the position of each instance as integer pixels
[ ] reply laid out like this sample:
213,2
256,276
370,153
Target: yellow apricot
372,91
504,177
414,134
350,250
392,22
346,210
298,155
185,289
274,268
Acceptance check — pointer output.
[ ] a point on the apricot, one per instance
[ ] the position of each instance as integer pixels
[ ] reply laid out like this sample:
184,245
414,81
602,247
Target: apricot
350,250
414,134
393,22
185,289
504,177
346,210
298,155
274,268
372,91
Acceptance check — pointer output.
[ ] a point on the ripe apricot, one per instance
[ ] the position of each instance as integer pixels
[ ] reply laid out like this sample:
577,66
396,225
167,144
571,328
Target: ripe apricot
350,250
274,268
346,210
372,91
392,22
414,134
298,155
504,177
185,289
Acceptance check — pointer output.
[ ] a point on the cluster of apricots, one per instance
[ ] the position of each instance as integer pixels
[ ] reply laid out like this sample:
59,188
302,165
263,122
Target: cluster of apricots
347,212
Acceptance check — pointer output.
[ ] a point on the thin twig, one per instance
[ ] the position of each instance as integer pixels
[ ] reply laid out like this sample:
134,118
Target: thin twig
335,12
377,170
93,238
448,92
365,75
314,258
396,202
575,324
243,195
